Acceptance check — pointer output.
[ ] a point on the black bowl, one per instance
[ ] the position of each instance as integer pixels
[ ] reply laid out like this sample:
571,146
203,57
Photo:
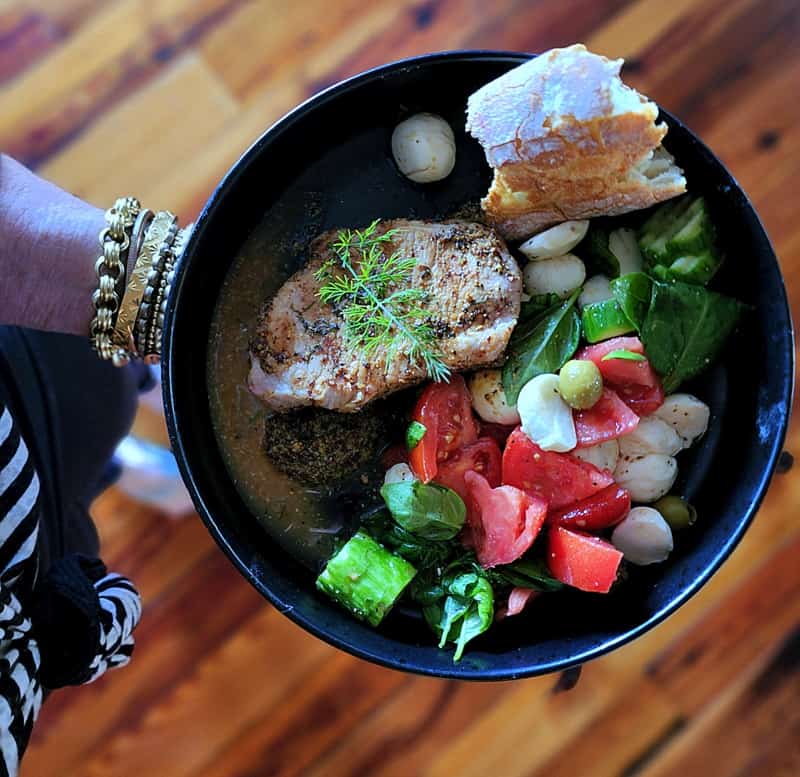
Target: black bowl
343,133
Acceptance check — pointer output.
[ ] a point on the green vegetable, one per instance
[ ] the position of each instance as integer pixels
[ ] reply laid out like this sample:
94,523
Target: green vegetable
537,305
678,242
459,606
632,293
621,353
414,434
371,292
541,345
429,511
526,573
685,328
422,553
604,320
580,383
365,578
676,511
595,253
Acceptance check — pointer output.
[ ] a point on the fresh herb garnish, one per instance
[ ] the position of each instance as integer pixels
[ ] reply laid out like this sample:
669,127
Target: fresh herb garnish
414,434
632,293
622,353
542,344
372,295
430,511
685,328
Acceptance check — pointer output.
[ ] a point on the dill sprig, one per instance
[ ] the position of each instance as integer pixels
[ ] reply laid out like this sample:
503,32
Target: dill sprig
378,307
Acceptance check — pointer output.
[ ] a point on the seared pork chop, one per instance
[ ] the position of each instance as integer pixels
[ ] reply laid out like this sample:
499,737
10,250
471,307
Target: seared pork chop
299,356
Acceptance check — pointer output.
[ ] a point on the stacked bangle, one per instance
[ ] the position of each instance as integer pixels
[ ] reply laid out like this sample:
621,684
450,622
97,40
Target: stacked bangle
134,326
115,242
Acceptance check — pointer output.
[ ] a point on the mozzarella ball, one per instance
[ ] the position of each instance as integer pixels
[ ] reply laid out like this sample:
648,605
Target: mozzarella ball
399,473
546,417
643,537
687,415
596,289
561,275
651,435
489,398
604,455
647,477
623,244
556,241
424,148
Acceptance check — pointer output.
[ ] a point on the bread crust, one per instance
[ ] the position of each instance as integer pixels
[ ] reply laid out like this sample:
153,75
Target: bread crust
567,139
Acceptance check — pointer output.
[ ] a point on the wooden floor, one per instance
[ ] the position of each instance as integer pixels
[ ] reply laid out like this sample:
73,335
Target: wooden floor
158,98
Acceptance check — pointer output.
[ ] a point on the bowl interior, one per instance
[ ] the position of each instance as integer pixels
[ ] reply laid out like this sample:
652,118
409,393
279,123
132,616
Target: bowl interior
338,144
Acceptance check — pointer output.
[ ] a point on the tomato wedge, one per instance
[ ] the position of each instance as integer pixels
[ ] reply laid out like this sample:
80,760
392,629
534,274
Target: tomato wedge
497,432
558,478
506,522
446,412
607,419
582,561
482,456
635,382
595,513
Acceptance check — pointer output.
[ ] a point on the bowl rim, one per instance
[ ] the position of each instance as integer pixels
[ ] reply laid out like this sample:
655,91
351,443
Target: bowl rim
309,624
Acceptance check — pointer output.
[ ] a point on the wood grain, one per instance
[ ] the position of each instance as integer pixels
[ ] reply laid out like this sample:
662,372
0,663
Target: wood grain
110,96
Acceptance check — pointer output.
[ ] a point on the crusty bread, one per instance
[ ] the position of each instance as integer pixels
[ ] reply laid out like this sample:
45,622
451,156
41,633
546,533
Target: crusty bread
568,140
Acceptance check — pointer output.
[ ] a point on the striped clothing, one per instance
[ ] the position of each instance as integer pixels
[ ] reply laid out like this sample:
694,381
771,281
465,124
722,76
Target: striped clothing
21,691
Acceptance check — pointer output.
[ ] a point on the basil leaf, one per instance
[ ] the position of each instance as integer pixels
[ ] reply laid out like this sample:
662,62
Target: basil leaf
540,346
621,353
632,293
685,328
465,610
429,511
526,573
414,434
422,553
537,305
596,254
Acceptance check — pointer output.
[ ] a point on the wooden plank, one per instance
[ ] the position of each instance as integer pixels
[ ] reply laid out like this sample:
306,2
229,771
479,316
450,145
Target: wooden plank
330,701
409,729
638,26
226,693
739,729
120,47
702,662
526,727
639,717
24,38
191,106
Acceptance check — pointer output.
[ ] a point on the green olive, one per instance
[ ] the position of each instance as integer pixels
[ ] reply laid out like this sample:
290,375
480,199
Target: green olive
676,511
580,383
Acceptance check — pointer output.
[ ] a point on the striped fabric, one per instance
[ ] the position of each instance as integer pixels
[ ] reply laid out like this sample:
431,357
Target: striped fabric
20,661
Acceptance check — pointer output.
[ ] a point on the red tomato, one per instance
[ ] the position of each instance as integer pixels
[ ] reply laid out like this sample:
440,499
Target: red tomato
636,382
497,432
558,478
446,412
506,522
482,456
607,419
582,561
599,511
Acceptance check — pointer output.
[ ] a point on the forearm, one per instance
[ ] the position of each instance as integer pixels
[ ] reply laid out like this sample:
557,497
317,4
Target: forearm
48,248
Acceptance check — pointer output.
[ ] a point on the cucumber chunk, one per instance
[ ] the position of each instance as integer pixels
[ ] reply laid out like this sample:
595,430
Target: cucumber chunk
365,578
678,242
604,320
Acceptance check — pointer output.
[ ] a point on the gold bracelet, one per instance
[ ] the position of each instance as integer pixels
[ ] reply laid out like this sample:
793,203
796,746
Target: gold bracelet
123,337
156,253
110,268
